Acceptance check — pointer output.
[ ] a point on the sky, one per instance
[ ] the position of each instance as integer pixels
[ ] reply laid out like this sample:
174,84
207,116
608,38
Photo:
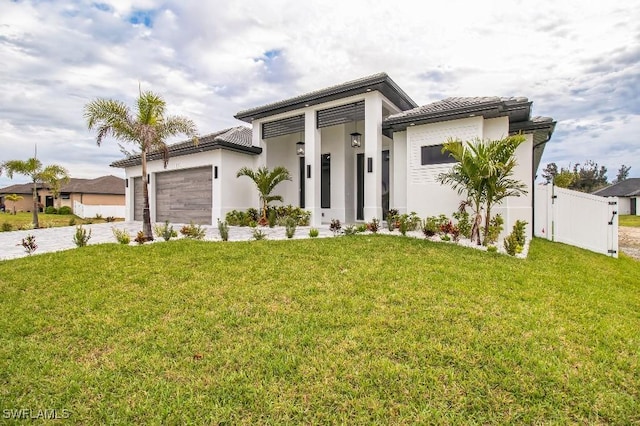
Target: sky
579,62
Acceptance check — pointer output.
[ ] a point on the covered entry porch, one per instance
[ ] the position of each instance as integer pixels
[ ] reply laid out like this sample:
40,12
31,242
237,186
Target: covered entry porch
332,143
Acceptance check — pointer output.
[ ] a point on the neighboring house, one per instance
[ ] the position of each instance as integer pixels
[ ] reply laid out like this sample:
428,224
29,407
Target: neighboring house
628,193
354,151
105,190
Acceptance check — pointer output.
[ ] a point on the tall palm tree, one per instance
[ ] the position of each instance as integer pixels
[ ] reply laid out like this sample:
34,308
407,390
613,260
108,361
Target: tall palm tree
466,176
33,168
499,182
147,128
484,171
266,180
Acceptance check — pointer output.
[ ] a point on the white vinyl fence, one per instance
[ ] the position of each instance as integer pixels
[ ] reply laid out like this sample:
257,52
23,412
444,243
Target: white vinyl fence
86,211
575,218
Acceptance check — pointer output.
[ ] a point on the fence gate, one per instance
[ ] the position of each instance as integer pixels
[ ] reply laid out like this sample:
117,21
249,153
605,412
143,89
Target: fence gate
575,218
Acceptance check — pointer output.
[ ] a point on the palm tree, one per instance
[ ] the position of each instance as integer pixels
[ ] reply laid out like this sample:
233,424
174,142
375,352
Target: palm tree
484,171
466,176
32,168
266,181
499,182
148,129
14,198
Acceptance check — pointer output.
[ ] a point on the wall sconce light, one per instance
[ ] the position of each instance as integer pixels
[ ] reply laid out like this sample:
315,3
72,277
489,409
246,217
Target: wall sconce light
300,149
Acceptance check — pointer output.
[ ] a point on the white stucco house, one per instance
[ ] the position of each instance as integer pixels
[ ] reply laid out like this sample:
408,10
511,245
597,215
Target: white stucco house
354,150
628,193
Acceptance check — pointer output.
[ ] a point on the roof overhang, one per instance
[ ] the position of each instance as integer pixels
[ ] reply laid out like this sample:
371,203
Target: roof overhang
517,109
380,82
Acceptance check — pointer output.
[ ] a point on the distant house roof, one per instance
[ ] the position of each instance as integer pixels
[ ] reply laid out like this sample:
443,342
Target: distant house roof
626,188
107,185
235,139
380,82
518,109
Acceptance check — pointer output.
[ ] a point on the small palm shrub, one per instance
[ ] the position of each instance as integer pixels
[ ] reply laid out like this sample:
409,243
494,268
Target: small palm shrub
259,235
29,244
140,238
166,231
514,243
81,237
271,218
110,219
223,229
193,231
495,228
290,228
374,225
6,227
121,235
72,221
313,232
98,216
349,230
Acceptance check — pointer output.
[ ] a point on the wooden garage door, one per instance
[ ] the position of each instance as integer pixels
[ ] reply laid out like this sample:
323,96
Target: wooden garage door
183,196
138,198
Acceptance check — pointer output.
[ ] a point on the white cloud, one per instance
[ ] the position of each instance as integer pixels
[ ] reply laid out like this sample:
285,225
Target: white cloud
578,61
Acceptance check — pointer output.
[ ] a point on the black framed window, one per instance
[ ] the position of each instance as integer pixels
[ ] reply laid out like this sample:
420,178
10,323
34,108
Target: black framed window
433,154
325,181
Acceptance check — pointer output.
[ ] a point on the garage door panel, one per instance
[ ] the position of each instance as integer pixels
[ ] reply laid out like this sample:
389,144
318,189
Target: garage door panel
138,198
184,196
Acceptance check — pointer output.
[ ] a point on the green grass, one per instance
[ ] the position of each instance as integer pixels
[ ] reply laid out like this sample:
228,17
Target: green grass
628,220
23,219
367,329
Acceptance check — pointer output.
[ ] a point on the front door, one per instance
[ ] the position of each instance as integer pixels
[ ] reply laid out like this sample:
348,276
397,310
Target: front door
360,187
302,179
634,206
48,200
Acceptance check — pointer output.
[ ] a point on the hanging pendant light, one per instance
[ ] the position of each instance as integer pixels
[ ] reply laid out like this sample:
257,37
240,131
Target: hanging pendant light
300,147
356,138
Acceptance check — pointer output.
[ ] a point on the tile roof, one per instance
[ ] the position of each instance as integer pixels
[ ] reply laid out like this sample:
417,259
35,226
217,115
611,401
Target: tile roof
457,105
235,138
103,185
627,188
381,82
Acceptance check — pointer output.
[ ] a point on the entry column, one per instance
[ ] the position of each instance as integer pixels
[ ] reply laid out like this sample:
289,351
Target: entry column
312,148
373,156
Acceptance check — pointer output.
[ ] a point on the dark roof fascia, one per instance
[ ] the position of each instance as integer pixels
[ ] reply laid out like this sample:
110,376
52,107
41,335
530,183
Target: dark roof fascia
193,149
380,82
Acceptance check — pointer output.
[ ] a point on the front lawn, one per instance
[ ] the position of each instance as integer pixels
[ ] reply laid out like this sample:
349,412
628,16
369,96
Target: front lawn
24,219
628,220
365,329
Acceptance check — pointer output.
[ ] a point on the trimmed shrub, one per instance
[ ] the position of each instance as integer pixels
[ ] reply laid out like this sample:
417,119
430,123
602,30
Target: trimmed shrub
51,210
64,210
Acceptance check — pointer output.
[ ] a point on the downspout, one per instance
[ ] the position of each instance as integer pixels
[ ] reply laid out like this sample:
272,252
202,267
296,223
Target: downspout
533,183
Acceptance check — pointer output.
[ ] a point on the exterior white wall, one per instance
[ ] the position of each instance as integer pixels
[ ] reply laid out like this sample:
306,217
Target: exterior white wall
281,151
238,193
624,205
427,197
399,172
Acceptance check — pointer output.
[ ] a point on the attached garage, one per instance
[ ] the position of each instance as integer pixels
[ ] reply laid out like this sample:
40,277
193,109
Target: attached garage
186,192
184,195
